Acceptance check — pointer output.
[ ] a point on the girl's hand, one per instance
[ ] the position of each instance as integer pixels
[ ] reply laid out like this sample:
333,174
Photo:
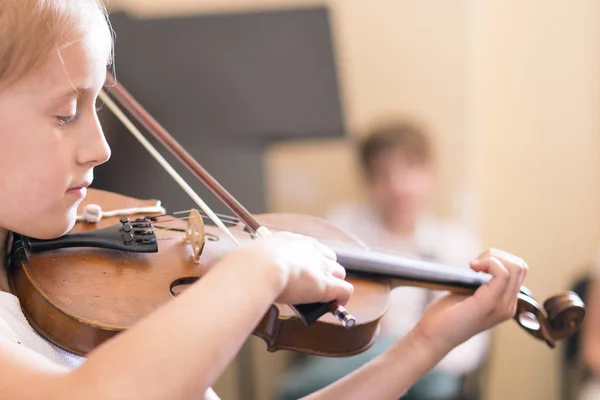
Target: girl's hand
455,318
309,269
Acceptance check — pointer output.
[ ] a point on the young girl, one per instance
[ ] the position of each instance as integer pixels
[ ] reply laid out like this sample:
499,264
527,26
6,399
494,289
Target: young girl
53,60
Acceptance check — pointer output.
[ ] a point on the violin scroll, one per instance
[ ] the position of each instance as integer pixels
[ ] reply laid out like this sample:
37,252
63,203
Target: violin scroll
566,312
560,317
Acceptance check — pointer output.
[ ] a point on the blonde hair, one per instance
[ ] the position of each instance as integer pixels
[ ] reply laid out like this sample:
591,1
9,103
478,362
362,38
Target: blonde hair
32,30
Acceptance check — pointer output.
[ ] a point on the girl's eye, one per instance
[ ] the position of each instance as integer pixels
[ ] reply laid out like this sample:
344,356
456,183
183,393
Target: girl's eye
67,120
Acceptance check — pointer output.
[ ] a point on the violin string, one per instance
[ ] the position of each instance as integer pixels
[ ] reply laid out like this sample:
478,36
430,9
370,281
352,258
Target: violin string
232,220
221,216
235,220
339,244
160,159
336,243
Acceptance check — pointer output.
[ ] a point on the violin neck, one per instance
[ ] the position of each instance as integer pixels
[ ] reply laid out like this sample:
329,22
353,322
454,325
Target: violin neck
406,271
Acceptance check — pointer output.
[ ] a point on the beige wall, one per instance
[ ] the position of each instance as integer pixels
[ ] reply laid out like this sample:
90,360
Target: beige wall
510,90
396,58
535,114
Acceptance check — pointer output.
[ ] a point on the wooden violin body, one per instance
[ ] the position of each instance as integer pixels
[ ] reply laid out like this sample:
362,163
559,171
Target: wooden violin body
78,298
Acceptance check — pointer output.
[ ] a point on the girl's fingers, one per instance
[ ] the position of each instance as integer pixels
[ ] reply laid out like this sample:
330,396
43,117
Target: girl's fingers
505,283
514,283
327,252
518,288
338,290
337,270
500,275
518,269
504,256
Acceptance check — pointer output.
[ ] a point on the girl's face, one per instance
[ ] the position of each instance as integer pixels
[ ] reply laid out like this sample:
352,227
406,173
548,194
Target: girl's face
50,136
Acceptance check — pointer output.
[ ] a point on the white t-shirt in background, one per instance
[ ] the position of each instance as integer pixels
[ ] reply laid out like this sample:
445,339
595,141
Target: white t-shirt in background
446,243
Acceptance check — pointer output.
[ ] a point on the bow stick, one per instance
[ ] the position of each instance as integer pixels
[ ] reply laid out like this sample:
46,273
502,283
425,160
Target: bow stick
307,312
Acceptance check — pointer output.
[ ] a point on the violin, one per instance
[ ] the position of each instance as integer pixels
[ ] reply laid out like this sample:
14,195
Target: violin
112,270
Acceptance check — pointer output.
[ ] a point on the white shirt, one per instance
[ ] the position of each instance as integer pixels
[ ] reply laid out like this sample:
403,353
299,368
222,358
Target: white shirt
446,243
15,327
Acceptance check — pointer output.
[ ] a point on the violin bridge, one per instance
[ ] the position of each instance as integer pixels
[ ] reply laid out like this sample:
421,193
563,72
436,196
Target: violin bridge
195,234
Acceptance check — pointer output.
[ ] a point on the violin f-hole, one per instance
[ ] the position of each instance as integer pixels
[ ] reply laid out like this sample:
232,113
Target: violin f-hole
179,285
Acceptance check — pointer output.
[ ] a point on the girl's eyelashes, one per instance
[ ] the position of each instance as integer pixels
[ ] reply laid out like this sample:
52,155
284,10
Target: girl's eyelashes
75,110
67,119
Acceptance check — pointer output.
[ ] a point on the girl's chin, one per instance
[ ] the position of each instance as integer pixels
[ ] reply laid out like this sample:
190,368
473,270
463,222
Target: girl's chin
58,227
49,224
